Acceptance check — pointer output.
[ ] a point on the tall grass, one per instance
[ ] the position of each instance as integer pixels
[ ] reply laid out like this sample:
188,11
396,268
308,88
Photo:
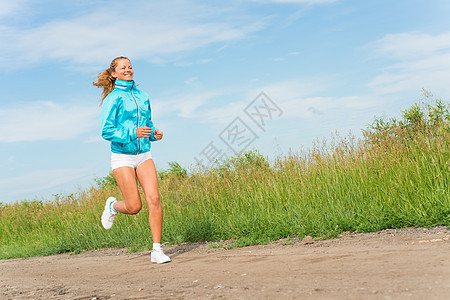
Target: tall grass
397,175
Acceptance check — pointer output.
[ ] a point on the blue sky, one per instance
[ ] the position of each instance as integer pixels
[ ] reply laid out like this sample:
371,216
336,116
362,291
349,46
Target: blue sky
324,66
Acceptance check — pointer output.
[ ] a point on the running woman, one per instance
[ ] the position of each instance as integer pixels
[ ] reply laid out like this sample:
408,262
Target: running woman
126,122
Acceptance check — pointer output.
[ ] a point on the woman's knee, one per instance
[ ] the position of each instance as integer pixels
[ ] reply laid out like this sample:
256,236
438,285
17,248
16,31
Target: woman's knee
153,199
134,208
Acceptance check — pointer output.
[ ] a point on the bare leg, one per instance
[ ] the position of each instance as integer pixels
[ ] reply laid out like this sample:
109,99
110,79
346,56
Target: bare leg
126,180
146,173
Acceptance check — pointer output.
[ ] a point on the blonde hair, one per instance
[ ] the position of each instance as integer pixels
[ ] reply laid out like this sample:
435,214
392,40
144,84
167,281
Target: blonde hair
105,80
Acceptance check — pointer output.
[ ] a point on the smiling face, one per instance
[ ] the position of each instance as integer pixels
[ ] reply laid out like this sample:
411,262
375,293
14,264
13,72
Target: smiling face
123,70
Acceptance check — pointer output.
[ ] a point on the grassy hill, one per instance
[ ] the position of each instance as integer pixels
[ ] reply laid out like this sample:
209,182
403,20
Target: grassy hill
397,175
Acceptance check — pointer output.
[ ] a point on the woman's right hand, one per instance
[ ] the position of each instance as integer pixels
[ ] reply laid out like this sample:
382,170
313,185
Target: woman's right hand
143,132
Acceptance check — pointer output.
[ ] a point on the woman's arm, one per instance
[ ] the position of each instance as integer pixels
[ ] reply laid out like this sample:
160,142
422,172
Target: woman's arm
154,136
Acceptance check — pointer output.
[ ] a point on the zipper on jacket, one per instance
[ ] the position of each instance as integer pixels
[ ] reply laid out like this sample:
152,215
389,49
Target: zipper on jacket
137,106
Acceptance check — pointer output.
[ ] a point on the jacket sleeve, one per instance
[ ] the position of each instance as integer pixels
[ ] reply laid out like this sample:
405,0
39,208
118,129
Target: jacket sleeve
150,122
111,130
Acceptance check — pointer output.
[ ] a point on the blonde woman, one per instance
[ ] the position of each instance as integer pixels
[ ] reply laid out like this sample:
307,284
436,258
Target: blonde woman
126,122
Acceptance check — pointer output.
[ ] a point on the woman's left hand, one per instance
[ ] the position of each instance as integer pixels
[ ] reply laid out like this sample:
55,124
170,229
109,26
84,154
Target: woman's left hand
158,134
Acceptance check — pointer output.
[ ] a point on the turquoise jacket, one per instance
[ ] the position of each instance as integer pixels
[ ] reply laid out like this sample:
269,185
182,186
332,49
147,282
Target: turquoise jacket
124,110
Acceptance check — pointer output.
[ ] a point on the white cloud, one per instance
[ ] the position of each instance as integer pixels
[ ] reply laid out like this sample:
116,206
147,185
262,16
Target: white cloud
413,45
46,120
187,105
191,80
10,8
298,1
37,181
205,60
152,31
299,98
292,89
305,1
296,97
419,60
223,114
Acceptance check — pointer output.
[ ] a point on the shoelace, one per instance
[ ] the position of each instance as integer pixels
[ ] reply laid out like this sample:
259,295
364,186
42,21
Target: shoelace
111,217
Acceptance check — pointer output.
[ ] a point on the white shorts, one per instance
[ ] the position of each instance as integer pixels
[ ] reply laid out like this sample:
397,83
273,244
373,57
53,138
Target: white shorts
128,160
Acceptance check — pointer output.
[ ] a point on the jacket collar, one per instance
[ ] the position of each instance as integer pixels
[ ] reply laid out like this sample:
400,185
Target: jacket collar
124,85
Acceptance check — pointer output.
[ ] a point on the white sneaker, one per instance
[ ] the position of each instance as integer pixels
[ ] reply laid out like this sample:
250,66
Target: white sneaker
159,257
109,213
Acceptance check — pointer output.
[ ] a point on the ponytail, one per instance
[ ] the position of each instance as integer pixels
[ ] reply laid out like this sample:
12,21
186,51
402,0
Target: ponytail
105,80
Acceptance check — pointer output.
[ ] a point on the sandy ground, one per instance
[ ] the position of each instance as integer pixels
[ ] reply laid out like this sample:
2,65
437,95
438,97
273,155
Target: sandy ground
411,263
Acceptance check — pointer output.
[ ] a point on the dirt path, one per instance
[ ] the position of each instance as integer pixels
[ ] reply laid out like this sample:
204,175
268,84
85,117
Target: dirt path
404,264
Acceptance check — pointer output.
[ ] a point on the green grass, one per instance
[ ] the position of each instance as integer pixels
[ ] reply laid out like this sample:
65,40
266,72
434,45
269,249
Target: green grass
396,176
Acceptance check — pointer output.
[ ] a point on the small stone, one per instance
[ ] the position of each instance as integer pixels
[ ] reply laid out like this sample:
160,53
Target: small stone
307,240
